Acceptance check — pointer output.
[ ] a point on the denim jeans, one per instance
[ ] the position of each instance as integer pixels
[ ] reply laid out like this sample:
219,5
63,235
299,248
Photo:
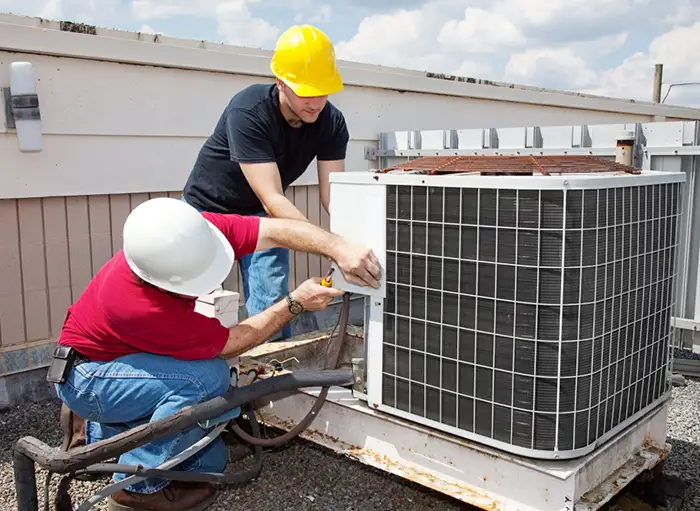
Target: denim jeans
265,276
135,389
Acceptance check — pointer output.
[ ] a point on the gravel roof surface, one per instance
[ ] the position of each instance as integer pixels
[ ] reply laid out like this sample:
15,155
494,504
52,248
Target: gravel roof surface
304,476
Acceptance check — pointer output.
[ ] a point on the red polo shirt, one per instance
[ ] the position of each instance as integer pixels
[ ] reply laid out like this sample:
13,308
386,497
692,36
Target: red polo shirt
116,315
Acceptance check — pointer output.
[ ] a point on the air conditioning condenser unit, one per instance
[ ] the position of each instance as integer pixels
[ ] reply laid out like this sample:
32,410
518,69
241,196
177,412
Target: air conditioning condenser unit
527,301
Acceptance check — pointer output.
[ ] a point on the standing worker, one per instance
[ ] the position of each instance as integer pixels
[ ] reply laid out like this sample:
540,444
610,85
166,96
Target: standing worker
265,139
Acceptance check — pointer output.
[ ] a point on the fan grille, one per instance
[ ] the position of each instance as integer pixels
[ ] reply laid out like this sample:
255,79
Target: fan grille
538,318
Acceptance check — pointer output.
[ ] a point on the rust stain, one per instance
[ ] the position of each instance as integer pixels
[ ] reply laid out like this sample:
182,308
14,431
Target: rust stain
458,490
504,165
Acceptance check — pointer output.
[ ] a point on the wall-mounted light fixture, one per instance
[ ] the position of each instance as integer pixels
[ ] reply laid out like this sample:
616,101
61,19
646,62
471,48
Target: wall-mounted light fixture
22,107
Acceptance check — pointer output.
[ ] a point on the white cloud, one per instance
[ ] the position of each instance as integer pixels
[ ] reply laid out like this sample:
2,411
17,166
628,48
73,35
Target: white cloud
235,23
51,10
600,47
480,31
402,38
476,69
147,29
569,66
163,9
558,67
96,12
547,43
323,16
541,13
238,26
681,11
317,13
676,49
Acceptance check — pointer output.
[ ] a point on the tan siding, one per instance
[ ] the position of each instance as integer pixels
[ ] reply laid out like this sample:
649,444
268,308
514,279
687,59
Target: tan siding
57,260
301,259
12,329
120,207
100,230
79,249
292,267
313,205
326,224
51,247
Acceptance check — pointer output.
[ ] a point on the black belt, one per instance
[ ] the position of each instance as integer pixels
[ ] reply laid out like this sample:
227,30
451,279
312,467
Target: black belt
64,359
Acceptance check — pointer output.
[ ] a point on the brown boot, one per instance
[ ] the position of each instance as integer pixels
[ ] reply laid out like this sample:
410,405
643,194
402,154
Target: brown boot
73,429
177,496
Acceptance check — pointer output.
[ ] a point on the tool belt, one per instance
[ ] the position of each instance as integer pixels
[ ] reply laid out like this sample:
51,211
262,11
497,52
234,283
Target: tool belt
64,359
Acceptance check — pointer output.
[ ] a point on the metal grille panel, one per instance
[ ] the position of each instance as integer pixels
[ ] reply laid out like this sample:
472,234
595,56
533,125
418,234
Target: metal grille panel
536,318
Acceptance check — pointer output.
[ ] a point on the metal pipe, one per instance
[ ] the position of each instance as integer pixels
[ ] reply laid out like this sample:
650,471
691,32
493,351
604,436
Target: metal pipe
332,355
624,148
25,482
658,80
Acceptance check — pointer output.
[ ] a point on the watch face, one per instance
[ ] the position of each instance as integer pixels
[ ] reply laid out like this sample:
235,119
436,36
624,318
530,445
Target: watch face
294,306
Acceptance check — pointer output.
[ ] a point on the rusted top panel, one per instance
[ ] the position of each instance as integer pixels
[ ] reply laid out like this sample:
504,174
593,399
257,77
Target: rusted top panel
511,165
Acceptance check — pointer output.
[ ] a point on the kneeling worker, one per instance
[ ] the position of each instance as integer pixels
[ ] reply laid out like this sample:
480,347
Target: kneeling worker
143,353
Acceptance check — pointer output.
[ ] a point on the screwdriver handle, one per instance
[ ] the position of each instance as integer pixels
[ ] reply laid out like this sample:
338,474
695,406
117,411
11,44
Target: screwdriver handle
327,281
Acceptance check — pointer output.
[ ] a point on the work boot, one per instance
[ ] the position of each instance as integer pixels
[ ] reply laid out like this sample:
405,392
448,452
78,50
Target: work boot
177,496
73,429
74,436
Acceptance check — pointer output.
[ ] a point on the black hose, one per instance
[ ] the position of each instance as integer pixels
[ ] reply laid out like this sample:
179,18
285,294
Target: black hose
180,475
63,501
333,350
25,481
29,449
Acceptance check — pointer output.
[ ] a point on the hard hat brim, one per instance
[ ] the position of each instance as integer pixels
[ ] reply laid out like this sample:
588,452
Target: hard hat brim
304,90
207,281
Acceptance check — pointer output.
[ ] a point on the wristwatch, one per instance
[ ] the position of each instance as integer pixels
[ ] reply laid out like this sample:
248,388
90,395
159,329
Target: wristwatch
294,306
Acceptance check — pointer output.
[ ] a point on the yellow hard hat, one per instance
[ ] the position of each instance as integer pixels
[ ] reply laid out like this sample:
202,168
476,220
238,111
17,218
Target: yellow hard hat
304,59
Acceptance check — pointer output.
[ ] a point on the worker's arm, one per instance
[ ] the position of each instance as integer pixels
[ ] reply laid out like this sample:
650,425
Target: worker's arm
358,263
264,179
325,168
249,132
331,154
256,329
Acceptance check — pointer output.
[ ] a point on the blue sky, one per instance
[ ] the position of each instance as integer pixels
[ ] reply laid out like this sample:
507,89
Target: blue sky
599,46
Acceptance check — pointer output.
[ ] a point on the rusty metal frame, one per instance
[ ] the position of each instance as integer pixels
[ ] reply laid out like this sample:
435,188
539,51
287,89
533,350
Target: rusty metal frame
469,472
511,165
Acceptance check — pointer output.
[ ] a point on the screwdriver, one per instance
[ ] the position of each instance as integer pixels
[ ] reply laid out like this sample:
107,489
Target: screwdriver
327,281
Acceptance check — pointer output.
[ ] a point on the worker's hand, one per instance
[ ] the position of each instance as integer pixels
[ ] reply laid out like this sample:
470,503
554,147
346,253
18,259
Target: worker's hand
313,296
359,265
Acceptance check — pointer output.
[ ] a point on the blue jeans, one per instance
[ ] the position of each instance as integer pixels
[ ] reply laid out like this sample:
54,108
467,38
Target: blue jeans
265,276
135,389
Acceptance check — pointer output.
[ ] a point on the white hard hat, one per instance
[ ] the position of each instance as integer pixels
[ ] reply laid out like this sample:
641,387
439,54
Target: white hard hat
169,244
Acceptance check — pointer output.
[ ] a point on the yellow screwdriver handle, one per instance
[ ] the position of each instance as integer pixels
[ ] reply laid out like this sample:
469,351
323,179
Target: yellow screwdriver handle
327,281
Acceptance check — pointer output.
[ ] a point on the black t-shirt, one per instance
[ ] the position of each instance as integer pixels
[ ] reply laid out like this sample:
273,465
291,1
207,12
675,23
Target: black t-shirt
252,129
